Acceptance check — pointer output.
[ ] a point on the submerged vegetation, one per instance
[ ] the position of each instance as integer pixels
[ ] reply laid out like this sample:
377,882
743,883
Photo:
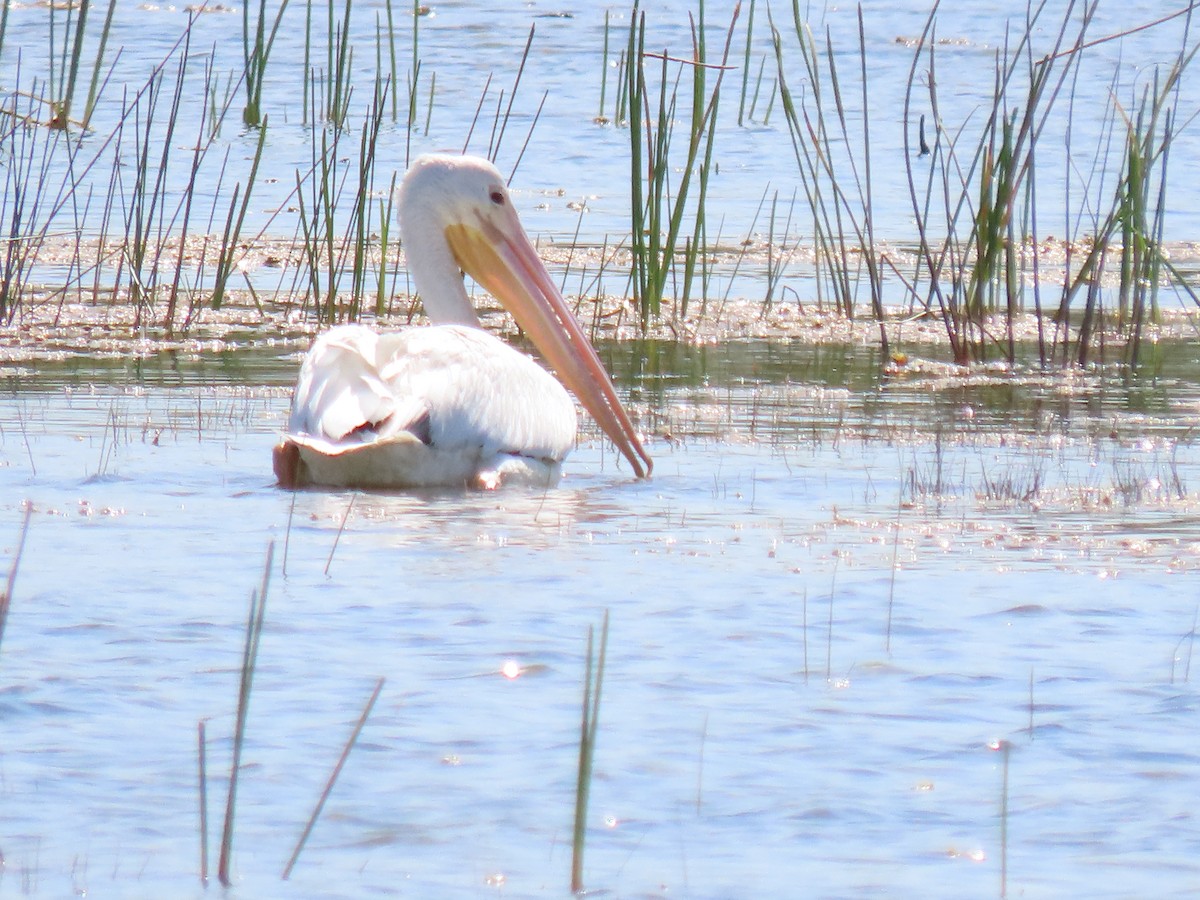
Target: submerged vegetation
150,202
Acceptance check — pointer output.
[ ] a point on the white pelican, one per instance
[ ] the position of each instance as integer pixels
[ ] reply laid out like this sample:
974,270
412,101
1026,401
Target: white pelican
451,404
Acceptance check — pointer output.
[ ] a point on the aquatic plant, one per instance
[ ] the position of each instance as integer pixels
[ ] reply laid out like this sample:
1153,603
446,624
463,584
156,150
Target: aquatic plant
657,207
256,49
846,221
238,204
1005,748
977,266
94,84
327,253
333,776
593,681
202,790
973,192
254,627
977,269
10,582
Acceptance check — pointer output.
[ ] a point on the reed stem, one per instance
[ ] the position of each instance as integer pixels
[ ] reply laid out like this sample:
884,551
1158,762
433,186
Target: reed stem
202,762
592,684
6,597
254,627
333,776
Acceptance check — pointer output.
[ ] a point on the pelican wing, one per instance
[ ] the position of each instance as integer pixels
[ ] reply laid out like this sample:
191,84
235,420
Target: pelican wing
340,396
437,405
478,392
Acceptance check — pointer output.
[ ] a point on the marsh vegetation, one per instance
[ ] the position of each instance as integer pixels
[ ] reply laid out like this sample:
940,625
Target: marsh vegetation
1032,222
905,301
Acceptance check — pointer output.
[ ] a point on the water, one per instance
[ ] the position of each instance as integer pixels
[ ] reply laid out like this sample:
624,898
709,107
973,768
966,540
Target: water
837,594
571,160
799,698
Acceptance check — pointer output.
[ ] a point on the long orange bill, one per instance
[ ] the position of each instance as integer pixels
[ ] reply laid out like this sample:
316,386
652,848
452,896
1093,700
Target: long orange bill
509,268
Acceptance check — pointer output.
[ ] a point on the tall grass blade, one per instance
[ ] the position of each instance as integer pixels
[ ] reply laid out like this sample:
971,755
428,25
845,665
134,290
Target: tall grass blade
341,528
254,627
502,125
256,53
94,83
235,221
62,108
657,207
746,64
1006,749
202,762
333,776
4,7
10,583
592,684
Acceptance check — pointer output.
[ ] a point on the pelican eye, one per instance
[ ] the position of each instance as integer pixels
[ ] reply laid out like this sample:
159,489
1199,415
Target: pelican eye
497,197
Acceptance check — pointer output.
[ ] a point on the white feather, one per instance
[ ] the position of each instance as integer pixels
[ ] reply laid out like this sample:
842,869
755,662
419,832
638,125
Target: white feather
446,404
450,404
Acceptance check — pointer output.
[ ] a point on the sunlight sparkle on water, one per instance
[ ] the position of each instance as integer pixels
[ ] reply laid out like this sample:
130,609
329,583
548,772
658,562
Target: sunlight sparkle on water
511,669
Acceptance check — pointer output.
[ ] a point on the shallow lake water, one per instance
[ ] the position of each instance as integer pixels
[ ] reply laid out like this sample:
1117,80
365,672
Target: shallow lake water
572,177
839,599
828,607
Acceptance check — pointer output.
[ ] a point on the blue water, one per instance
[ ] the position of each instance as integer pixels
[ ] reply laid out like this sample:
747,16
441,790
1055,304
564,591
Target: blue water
572,160
835,597
799,698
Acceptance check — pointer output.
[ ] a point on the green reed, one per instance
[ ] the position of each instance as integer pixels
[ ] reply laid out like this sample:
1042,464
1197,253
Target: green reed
256,51
141,236
4,7
837,182
415,71
976,271
593,681
777,252
25,186
342,59
621,102
254,627
143,241
386,217
391,33
601,119
67,67
146,231
330,253
333,776
94,84
973,193
182,221
235,221
11,581
746,63
967,271
202,790
658,207
1005,747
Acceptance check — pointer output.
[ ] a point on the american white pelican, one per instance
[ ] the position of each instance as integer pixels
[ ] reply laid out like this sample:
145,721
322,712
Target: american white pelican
451,404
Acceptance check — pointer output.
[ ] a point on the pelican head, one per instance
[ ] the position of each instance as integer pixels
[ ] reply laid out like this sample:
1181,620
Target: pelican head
456,214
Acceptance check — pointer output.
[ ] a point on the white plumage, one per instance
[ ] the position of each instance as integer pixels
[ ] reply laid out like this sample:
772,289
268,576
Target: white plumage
450,404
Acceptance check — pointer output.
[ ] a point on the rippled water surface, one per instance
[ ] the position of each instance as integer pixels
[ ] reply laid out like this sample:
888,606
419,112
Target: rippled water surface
470,56
826,609
839,599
